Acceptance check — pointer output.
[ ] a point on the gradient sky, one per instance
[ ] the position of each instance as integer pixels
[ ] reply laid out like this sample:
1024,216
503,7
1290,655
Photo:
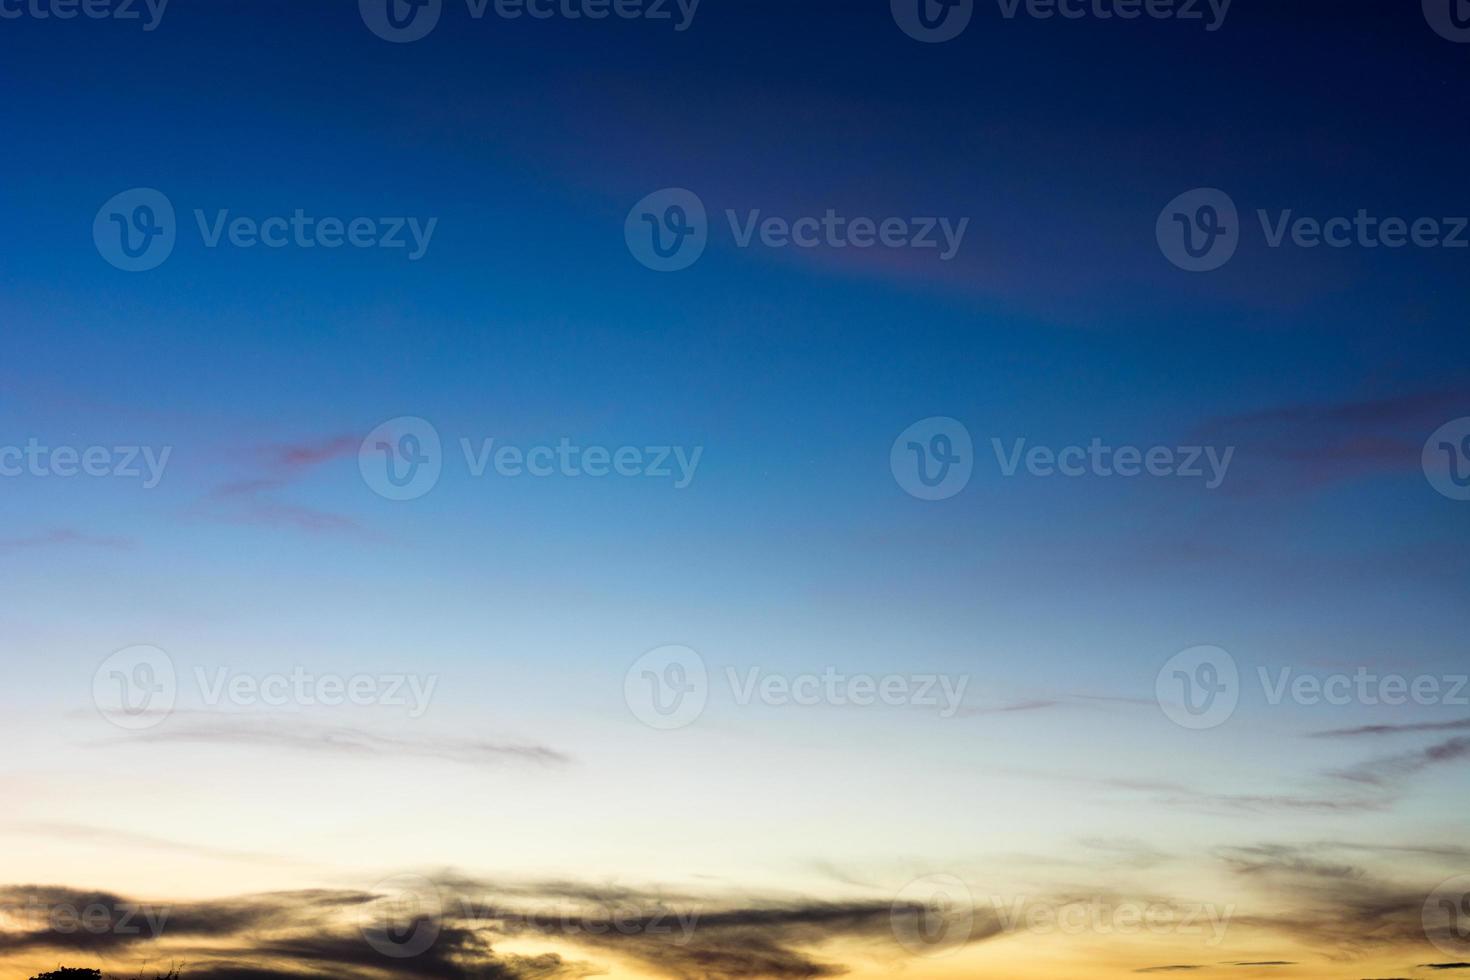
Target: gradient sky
793,830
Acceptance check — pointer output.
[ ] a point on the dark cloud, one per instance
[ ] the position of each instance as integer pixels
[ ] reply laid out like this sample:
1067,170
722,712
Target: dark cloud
1380,772
357,935
1427,726
1334,906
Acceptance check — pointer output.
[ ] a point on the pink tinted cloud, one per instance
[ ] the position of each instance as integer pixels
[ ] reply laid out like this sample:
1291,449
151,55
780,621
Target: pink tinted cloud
249,500
62,537
304,455
1304,446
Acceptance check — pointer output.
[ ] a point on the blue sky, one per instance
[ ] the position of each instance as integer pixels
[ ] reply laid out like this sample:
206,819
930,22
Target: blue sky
793,548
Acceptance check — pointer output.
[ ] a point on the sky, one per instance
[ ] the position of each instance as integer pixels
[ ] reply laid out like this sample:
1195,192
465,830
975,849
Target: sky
735,490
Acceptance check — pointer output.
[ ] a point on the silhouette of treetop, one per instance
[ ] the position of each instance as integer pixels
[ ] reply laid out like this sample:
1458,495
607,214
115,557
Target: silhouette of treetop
75,973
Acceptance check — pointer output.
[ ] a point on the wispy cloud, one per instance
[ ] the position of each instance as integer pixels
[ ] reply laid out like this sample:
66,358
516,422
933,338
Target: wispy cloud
1301,446
1380,772
63,537
252,500
1423,726
203,728
112,837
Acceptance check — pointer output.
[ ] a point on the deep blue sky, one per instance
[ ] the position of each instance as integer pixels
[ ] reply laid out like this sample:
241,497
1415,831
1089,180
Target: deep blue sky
528,318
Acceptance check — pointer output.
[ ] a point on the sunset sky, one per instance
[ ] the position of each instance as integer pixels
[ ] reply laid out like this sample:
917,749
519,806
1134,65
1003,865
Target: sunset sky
1035,802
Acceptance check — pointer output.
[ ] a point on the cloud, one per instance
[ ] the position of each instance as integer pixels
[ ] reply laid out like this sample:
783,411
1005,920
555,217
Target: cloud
1381,772
1337,907
202,728
1425,726
355,935
303,455
63,537
1045,703
249,501
1127,852
1302,446
1177,794
123,838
